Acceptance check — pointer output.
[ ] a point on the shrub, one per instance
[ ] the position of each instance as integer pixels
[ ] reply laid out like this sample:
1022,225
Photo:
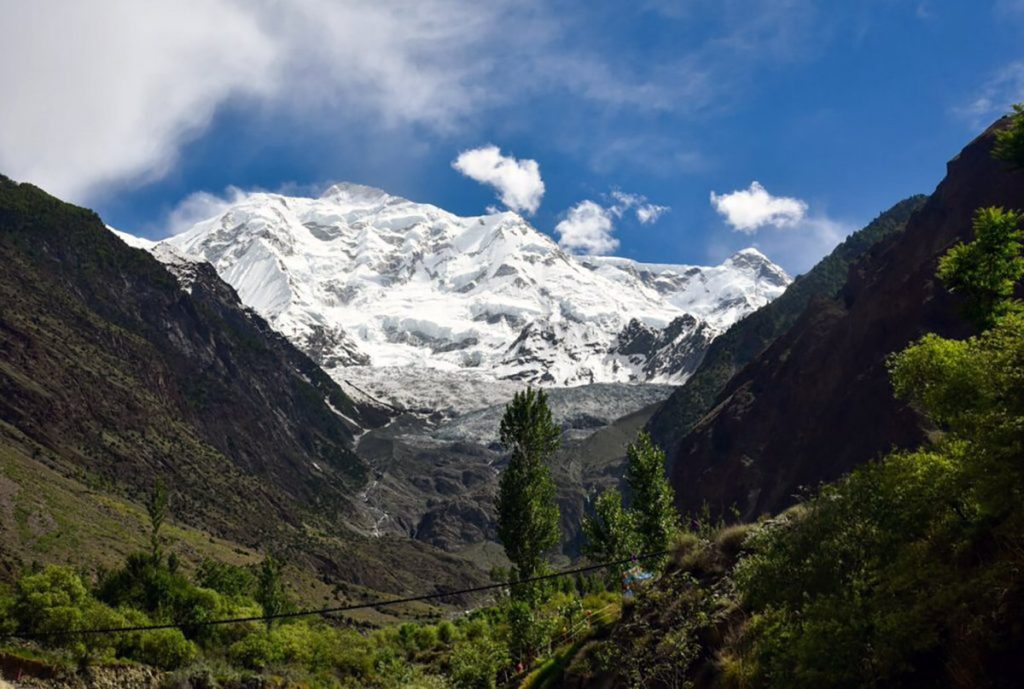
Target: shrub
227,579
167,649
256,651
50,601
425,638
475,664
447,633
731,540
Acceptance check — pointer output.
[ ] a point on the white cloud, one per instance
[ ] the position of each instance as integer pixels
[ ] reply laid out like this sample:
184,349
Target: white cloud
96,92
587,228
646,212
796,239
518,182
105,94
748,210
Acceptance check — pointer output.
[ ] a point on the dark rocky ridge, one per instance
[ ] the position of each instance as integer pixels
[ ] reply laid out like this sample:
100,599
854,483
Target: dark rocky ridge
818,402
113,375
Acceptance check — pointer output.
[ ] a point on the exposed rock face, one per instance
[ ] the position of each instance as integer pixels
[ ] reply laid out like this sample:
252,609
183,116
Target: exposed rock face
818,401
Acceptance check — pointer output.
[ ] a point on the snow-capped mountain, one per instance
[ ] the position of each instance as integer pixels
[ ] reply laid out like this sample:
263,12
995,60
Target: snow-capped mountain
363,280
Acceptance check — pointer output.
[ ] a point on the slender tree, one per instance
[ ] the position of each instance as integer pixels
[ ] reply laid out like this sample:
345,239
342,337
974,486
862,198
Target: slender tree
270,593
527,509
610,533
653,500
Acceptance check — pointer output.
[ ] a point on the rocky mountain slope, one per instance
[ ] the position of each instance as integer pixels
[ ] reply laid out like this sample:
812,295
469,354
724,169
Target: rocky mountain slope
369,284
817,402
114,371
744,340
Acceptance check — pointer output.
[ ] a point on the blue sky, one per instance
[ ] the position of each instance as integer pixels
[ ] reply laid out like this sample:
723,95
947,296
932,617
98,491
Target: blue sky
837,109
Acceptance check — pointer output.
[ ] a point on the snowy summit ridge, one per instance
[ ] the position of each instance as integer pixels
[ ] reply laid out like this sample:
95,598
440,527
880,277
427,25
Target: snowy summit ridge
361,278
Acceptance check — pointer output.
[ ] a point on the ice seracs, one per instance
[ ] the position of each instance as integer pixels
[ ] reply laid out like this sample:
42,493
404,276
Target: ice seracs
363,281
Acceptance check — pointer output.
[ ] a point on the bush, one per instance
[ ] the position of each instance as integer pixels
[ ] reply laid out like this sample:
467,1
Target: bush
447,633
475,664
50,601
227,579
731,540
425,638
256,651
167,649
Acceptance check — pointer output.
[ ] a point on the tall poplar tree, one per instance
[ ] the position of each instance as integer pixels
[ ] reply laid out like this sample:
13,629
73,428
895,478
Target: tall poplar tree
527,509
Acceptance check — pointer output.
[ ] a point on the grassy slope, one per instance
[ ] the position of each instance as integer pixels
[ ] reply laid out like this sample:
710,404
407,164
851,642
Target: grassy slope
111,375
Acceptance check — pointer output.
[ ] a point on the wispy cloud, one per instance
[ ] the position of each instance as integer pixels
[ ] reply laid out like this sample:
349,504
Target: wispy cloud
997,94
517,182
645,211
104,94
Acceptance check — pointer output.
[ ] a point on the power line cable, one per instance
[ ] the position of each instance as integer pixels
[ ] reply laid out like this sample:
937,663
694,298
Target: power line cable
327,611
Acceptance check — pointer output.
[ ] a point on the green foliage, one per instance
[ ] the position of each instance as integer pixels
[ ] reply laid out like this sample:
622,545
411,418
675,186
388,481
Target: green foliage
227,579
526,633
883,578
648,526
151,587
659,641
1009,144
653,500
985,270
167,649
610,533
446,633
53,600
527,509
270,593
475,663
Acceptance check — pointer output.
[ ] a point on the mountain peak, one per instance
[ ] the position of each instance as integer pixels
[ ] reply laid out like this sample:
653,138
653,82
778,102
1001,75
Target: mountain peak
350,192
364,281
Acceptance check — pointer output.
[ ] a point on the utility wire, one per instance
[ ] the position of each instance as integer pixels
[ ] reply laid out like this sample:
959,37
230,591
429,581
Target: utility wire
328,611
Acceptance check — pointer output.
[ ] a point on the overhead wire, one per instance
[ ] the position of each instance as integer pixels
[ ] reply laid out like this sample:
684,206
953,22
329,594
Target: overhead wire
321,612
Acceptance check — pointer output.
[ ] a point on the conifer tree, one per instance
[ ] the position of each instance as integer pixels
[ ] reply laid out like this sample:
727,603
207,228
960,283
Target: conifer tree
527,511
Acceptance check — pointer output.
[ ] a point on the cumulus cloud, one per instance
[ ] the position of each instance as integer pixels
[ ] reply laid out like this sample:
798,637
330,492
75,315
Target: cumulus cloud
795,238
517,182
587,228
748,210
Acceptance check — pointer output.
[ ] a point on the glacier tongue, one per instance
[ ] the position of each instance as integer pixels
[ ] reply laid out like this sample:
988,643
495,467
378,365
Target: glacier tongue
361,278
